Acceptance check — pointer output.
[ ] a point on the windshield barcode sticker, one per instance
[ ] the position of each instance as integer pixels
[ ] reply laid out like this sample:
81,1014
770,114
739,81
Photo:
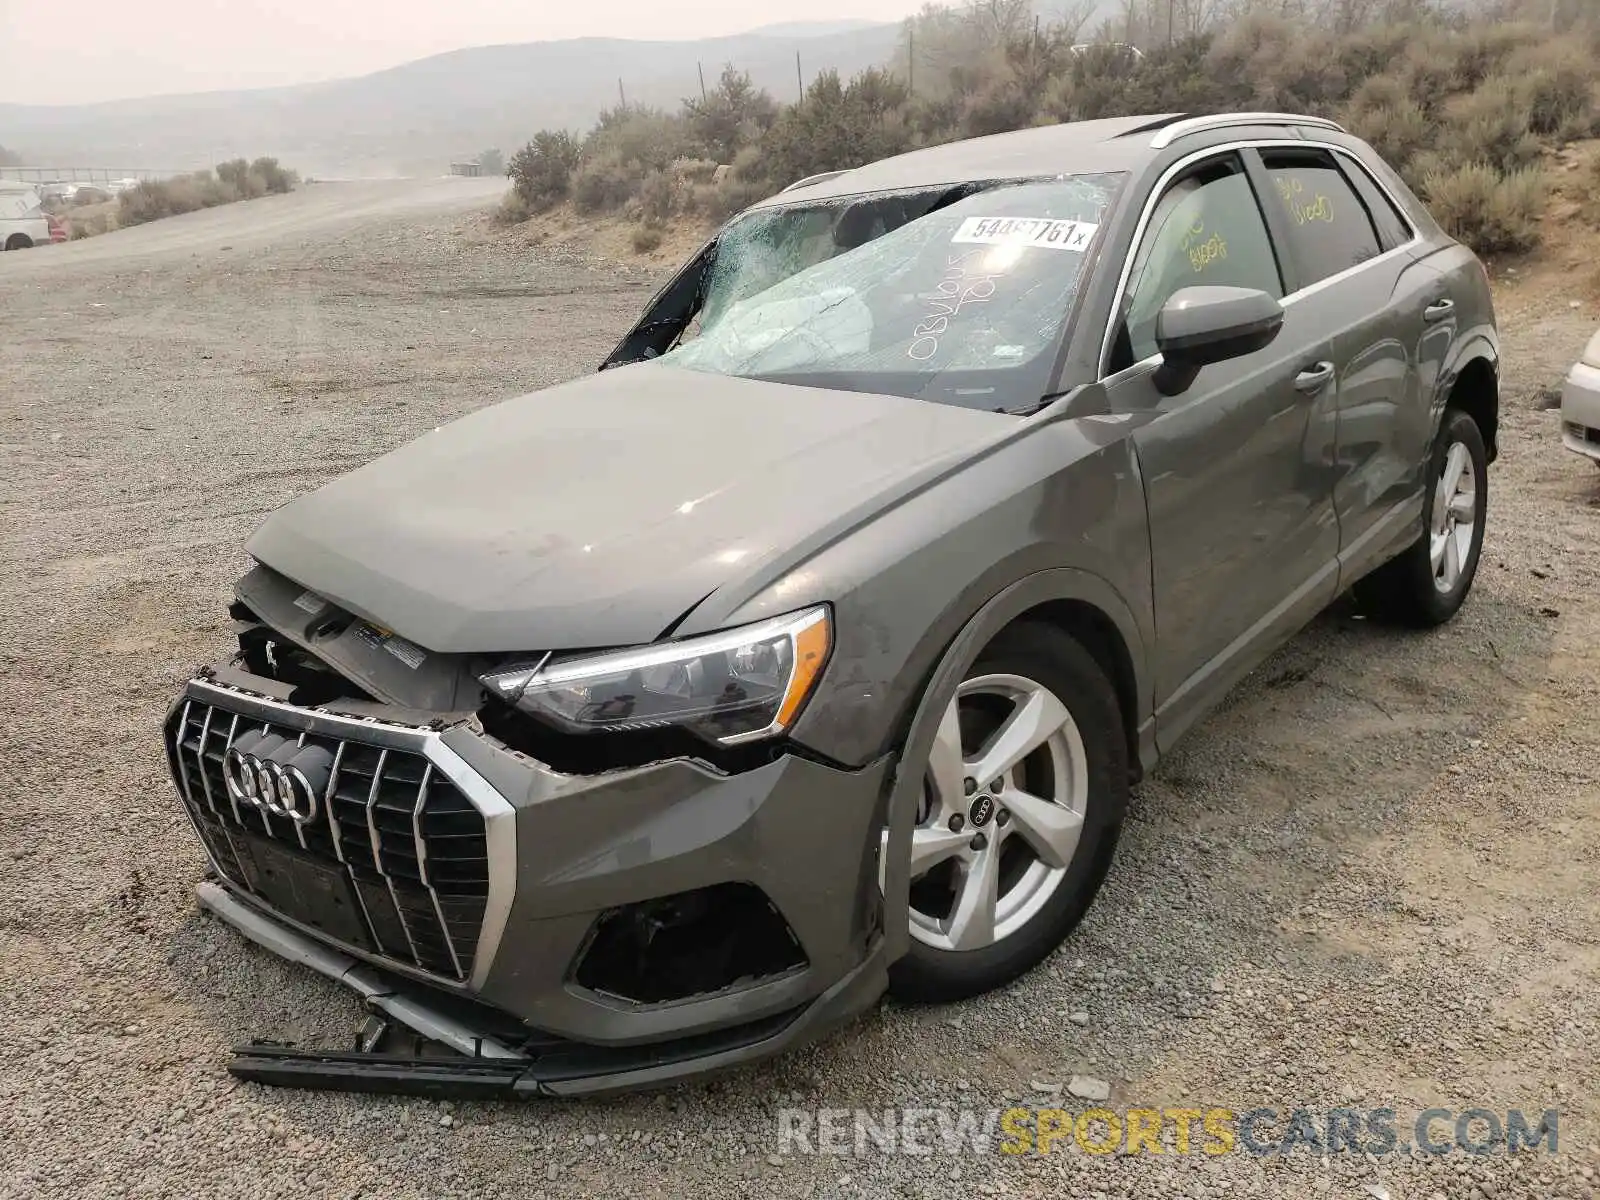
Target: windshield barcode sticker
1026,231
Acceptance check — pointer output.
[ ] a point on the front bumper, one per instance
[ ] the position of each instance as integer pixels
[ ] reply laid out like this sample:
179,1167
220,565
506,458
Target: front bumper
488,1067
1580,411
561,856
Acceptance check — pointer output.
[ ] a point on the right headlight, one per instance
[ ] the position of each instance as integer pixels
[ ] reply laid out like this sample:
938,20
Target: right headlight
740,685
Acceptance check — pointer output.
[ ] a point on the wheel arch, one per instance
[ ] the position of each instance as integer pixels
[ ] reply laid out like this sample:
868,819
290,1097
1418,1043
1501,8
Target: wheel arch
1078,603
1472,385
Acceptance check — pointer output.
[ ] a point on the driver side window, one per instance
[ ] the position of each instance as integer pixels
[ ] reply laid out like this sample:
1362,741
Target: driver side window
1206,229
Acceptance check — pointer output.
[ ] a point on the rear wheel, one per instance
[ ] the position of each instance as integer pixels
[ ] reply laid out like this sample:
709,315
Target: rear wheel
19,241
1429,581
1022,802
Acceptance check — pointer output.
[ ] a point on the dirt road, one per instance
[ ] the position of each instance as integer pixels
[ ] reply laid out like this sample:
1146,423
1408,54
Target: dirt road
1369,881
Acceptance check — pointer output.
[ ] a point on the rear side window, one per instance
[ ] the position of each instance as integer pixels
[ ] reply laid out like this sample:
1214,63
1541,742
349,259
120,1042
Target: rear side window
1328,226
1393,227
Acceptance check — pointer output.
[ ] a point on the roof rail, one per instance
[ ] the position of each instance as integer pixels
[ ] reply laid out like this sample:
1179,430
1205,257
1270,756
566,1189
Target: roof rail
822,177
1166,136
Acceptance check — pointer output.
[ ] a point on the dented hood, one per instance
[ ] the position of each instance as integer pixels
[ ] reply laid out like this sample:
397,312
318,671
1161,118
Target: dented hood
599,512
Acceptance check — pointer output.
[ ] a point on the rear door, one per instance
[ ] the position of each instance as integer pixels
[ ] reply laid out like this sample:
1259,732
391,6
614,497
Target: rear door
1356,258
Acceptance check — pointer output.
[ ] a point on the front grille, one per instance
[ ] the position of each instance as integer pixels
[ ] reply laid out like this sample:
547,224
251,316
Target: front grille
395,860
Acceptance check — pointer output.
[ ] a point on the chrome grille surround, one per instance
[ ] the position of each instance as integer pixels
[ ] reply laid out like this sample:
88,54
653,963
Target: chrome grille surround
426,844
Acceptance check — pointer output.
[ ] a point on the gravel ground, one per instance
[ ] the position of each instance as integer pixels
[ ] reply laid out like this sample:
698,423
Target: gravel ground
1368,880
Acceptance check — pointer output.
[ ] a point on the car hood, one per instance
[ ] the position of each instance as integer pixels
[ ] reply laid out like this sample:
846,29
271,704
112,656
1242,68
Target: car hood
598,513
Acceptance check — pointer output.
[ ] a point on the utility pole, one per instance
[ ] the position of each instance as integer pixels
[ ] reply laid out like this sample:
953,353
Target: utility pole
911,61
798,77
700,67
621,95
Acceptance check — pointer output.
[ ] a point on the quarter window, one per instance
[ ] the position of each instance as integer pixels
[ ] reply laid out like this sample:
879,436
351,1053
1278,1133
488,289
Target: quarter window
1206,229
1329,228
1394,229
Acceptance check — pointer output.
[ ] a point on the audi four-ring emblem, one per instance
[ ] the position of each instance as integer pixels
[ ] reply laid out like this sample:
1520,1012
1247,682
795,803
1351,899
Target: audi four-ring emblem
283,790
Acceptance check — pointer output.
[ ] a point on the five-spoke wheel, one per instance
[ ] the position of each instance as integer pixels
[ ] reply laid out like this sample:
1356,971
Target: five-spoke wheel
1022,800
1429,581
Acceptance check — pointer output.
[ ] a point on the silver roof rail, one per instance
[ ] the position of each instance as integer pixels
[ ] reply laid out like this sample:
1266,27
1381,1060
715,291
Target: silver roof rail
823,177
1168,134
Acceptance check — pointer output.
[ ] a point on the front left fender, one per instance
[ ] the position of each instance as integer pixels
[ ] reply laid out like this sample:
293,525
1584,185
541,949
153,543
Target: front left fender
906,783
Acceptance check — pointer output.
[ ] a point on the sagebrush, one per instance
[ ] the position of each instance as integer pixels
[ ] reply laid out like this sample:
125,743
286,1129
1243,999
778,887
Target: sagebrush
238,179
1467,105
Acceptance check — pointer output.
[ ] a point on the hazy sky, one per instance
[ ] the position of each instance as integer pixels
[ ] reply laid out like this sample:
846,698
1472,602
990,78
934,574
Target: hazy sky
109,49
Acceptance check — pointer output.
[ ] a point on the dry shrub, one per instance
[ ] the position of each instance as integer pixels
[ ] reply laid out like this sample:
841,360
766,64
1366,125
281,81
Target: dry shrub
1484,50
512,209
1275,64
693,170
152,199
659,197
605,184
542,171
1383,114
1556,82
645,239
1490,125
1366,53
1491,211
1434,92
741,186
1430,70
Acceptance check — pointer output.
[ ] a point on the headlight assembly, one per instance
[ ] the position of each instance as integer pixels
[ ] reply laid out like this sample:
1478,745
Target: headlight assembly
737,686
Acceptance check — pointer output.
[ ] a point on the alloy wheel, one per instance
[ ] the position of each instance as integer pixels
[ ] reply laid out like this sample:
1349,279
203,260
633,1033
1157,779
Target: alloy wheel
1002,810
1454,518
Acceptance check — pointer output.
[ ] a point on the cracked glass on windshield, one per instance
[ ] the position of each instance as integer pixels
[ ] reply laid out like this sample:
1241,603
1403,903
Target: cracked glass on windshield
903,293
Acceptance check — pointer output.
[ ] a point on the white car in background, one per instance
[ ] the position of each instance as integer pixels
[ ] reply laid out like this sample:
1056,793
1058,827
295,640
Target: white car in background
23,223
1580,404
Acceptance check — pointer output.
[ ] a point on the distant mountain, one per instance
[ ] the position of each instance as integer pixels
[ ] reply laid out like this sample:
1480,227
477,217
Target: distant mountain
816,28
413,119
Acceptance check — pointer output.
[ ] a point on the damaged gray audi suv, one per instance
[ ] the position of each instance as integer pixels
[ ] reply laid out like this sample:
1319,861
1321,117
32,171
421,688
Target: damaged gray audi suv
666,718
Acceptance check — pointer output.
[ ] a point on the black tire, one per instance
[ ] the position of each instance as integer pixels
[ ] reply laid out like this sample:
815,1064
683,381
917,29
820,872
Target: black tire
1405,591
1047,656
19,241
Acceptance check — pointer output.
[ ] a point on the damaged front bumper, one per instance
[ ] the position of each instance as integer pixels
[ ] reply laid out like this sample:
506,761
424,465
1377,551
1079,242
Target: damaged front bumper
516,1063
558,933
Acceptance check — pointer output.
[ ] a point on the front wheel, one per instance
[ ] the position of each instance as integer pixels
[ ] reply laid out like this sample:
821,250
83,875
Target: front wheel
1022,803
19,241
1429,581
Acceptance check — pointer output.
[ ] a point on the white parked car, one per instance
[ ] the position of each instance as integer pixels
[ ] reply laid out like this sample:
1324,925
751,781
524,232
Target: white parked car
22,220
1580,403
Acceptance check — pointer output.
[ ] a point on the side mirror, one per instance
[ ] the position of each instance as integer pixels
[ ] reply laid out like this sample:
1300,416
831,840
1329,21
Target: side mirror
1198,326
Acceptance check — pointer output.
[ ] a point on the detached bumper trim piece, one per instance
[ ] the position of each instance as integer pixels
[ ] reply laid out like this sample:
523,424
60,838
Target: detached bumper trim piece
341,968
544,1065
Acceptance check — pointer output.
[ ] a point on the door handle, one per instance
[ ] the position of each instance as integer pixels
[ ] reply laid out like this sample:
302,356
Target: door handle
1314,378
1438,311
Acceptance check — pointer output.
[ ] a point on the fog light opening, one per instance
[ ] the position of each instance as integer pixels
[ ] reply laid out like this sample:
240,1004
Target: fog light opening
689,944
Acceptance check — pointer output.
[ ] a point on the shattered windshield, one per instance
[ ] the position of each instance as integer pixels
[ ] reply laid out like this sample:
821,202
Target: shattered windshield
956,295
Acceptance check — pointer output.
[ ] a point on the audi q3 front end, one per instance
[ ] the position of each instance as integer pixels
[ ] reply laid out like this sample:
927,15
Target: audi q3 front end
666,718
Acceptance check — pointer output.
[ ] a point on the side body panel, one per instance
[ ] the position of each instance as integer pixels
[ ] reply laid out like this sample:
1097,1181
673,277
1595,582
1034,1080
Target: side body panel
1064,496
1384,351
1244,541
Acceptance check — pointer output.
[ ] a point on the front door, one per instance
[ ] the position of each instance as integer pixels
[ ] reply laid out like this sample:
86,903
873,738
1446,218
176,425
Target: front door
1238,469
